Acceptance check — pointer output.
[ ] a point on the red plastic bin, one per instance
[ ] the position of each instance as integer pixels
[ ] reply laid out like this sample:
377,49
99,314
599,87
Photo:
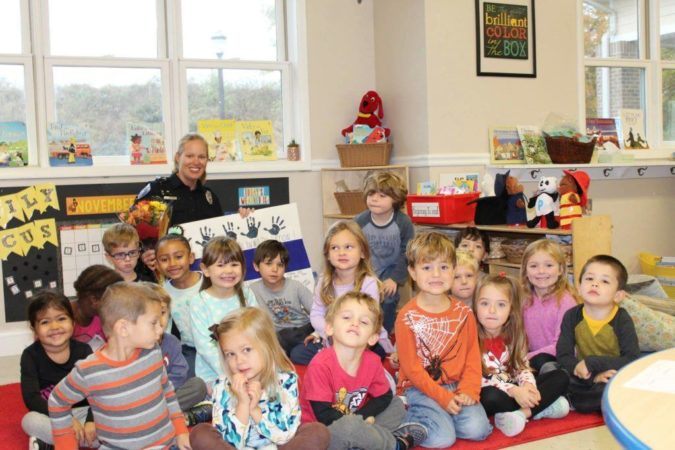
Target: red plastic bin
443,209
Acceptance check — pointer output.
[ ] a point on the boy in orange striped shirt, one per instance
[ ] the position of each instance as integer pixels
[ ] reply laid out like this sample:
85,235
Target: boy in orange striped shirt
130,395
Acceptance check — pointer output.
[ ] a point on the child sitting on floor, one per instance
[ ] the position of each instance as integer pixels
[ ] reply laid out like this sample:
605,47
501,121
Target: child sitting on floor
345,386
466,278
597,338
256,402
45,363
509,390
90,286
131,397
288,301
438,349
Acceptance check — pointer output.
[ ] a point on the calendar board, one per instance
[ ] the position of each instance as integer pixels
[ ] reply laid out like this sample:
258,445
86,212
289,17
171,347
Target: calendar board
80,247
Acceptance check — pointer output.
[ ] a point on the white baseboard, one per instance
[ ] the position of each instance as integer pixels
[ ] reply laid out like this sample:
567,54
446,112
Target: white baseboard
14,337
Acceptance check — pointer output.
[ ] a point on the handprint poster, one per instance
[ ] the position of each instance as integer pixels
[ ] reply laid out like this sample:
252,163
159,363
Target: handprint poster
278,222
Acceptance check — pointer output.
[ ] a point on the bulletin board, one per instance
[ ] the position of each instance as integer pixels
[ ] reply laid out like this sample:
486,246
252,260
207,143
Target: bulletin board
44,217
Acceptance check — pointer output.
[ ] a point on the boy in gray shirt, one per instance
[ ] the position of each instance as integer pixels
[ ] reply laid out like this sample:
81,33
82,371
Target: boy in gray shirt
288,301
388,231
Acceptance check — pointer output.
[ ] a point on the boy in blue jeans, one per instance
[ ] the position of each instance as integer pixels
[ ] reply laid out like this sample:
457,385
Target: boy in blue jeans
438,349
388,231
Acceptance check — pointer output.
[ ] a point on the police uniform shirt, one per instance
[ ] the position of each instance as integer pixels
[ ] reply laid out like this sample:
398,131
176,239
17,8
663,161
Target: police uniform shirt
188,205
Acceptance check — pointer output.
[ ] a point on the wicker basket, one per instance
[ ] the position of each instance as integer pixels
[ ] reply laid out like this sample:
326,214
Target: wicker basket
514,249
364,155
350,203
564,150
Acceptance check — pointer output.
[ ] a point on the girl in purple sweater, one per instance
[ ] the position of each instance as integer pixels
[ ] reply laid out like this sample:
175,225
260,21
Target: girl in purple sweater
547,296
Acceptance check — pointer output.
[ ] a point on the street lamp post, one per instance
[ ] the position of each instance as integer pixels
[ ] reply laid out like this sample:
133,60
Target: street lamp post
218,40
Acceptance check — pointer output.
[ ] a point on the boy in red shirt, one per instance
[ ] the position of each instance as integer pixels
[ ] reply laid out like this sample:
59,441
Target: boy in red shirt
345,386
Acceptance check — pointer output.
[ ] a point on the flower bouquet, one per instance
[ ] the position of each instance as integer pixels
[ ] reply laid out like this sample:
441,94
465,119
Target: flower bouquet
149,217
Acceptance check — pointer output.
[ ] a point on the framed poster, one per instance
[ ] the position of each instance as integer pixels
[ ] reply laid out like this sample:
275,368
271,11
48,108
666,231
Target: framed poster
505,38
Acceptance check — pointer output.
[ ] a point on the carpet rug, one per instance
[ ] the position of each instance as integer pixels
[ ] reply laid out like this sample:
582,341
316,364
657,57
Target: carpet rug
12,437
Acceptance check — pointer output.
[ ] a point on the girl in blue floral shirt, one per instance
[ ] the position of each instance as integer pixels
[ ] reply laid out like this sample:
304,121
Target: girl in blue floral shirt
255,404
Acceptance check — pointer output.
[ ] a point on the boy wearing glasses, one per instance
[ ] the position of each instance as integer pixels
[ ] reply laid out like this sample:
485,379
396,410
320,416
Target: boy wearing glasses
122,249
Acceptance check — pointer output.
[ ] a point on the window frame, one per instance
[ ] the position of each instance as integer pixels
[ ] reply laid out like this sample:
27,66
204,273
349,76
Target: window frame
39,87
648,33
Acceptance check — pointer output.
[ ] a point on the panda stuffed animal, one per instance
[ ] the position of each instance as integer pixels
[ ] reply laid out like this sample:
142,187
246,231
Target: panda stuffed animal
544,204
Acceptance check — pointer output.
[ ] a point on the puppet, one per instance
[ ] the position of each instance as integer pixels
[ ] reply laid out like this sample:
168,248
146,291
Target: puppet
543,203
370,113
573,191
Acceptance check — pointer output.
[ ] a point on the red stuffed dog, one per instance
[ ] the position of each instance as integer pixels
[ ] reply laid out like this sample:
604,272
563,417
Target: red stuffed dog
370,103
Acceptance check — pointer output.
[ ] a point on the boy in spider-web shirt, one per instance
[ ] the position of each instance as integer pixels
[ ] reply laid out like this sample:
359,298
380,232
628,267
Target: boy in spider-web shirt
438,351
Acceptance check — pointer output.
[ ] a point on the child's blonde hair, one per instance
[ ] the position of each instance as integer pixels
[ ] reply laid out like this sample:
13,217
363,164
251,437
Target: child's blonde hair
466,259
164,296
556,252
119,235
513,330
258,327
326,291
388,183
221,247
428,246
124,300
360,297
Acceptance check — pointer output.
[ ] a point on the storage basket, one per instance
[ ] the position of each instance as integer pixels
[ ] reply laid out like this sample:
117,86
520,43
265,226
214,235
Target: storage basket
665,274
514,249
564,150
350,203
364,155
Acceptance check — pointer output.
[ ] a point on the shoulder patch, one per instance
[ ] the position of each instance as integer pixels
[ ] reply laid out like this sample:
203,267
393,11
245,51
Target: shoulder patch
144,191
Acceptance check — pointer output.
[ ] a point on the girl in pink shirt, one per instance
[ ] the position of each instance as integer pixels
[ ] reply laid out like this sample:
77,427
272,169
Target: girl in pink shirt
547,296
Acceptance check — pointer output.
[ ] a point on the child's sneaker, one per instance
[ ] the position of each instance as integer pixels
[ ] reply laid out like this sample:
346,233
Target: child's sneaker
556,410
36,444
510,423
200,413
409,435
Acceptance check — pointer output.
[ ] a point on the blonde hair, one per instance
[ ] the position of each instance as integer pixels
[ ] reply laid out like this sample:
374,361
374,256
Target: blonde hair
221,247
428,246
258,327
466,259
164,296
513,330
363,270
124,300
359,297
556,252
181,148
118,235
388,183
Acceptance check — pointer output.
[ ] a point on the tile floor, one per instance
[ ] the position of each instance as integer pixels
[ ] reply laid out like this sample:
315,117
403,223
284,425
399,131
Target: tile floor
598,438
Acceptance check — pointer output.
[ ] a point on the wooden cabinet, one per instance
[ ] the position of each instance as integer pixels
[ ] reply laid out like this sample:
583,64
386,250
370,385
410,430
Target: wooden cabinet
353,177
591,235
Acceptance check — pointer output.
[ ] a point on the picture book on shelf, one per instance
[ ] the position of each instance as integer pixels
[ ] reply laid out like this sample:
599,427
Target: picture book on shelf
534,145
146,143
256,140
633,129
13,144
221,135
505,146
68,145
604,129
462,182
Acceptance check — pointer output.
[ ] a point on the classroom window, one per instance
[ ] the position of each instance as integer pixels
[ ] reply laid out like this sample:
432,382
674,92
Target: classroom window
103,67
627,53
10,31
12,93
230,29
107,102
113,28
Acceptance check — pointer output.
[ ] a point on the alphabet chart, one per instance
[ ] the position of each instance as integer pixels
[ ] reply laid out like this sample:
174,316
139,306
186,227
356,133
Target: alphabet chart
81,247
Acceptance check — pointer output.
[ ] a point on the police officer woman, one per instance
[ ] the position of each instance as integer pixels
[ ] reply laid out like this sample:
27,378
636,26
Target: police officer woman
185,189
